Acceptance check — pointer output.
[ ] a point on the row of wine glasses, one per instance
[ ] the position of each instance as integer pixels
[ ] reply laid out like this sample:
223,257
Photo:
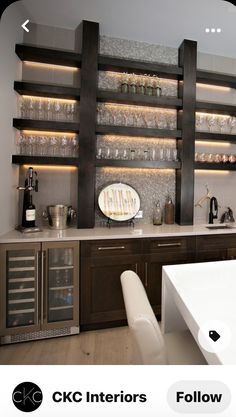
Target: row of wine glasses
160,153
136,84
217,158
43,145
214,123
136,117
48,109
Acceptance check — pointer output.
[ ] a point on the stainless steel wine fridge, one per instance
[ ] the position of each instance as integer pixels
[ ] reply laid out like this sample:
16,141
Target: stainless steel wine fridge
39,290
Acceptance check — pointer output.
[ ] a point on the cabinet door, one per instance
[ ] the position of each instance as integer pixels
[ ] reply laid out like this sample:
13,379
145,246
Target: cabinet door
164,251
19,270
101,293
214,247
60,277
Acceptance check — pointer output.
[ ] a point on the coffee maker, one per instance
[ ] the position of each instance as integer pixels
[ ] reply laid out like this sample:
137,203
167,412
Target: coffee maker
28,208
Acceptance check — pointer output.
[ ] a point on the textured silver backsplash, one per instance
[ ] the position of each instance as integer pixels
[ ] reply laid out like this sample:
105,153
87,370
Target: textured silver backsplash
151,184
141,51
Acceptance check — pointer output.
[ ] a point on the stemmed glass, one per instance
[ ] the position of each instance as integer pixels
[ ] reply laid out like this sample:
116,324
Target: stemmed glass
200,118
57,110
49,109
64,146
53,146
211,123
222,122
74,147
232,123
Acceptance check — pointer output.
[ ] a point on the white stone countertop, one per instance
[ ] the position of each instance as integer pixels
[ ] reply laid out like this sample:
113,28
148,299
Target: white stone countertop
121,232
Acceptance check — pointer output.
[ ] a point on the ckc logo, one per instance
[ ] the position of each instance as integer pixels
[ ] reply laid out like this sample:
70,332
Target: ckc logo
27,397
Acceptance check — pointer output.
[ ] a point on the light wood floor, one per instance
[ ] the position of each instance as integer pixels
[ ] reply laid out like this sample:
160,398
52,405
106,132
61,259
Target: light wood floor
100,347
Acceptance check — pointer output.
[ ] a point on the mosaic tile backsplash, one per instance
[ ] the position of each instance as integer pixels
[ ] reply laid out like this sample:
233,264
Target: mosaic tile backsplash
151,184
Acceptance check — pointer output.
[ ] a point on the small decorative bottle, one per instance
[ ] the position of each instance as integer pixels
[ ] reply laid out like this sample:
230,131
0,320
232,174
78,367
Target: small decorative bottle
157,214
169,211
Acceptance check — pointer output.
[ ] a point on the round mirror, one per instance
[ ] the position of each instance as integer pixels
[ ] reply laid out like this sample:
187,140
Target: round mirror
119,202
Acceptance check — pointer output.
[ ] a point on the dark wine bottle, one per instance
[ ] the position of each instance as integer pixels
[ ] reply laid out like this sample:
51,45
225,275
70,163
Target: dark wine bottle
29,213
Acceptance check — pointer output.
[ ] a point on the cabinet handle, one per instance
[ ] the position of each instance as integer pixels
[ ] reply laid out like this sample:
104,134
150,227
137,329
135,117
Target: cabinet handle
42,285
146,274
37,288
165,245
136,268
111,247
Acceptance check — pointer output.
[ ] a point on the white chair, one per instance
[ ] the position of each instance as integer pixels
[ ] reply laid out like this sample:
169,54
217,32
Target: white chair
150,346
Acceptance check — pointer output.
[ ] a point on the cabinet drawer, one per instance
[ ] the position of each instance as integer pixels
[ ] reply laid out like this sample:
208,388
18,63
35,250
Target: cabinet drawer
102,248
213,242
175,244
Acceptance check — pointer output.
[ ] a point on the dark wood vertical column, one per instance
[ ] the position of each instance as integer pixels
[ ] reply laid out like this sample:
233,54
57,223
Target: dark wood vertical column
186,122
89,33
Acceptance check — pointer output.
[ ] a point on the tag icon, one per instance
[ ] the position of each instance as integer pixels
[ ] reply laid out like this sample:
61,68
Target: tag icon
214,335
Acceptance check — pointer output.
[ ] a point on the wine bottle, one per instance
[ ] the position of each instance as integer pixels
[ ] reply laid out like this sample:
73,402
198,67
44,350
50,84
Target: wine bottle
29,213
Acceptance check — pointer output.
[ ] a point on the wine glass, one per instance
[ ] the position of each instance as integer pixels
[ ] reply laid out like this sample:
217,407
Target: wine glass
232,123
222,122
211,121
74,146
64,146
57,110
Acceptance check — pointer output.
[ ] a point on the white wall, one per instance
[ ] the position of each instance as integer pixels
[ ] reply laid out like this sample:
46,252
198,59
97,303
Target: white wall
10,70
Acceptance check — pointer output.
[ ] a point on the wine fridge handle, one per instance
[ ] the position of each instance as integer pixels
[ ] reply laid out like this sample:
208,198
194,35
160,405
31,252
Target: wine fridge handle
42,284
37,288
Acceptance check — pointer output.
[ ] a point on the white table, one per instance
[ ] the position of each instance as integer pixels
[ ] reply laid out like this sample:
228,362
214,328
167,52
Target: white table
195,293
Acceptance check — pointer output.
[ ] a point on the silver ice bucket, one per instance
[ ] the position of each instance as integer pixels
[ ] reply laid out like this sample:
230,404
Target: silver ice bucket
59,216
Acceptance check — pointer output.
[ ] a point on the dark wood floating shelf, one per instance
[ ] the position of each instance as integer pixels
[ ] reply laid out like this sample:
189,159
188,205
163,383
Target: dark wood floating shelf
44,160
137,164
108,63
137,99
137,131
48,56
46,90
206,107
215,166
46,125
208,136
216,78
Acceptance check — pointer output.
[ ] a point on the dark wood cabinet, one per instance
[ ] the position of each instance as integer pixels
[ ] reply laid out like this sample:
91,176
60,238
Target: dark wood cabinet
102,263
159,252
215,248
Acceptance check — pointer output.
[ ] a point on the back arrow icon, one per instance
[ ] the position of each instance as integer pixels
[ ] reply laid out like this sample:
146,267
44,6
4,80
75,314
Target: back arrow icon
24,25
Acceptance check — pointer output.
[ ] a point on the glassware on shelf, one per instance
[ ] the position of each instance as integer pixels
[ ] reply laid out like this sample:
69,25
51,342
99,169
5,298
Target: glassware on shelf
231,123
222,123
200,119
225,158
43,145
232,159
132,84
156,87
125,83
149,86
141,86
211,123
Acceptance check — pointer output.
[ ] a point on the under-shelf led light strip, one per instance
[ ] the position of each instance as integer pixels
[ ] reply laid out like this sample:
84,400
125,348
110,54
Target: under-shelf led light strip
52,167
50,66
61,100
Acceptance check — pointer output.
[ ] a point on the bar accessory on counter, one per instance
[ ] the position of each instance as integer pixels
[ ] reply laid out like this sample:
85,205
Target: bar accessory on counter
213,214
119,202
169,211
59,216
28,208
227,216
157,214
